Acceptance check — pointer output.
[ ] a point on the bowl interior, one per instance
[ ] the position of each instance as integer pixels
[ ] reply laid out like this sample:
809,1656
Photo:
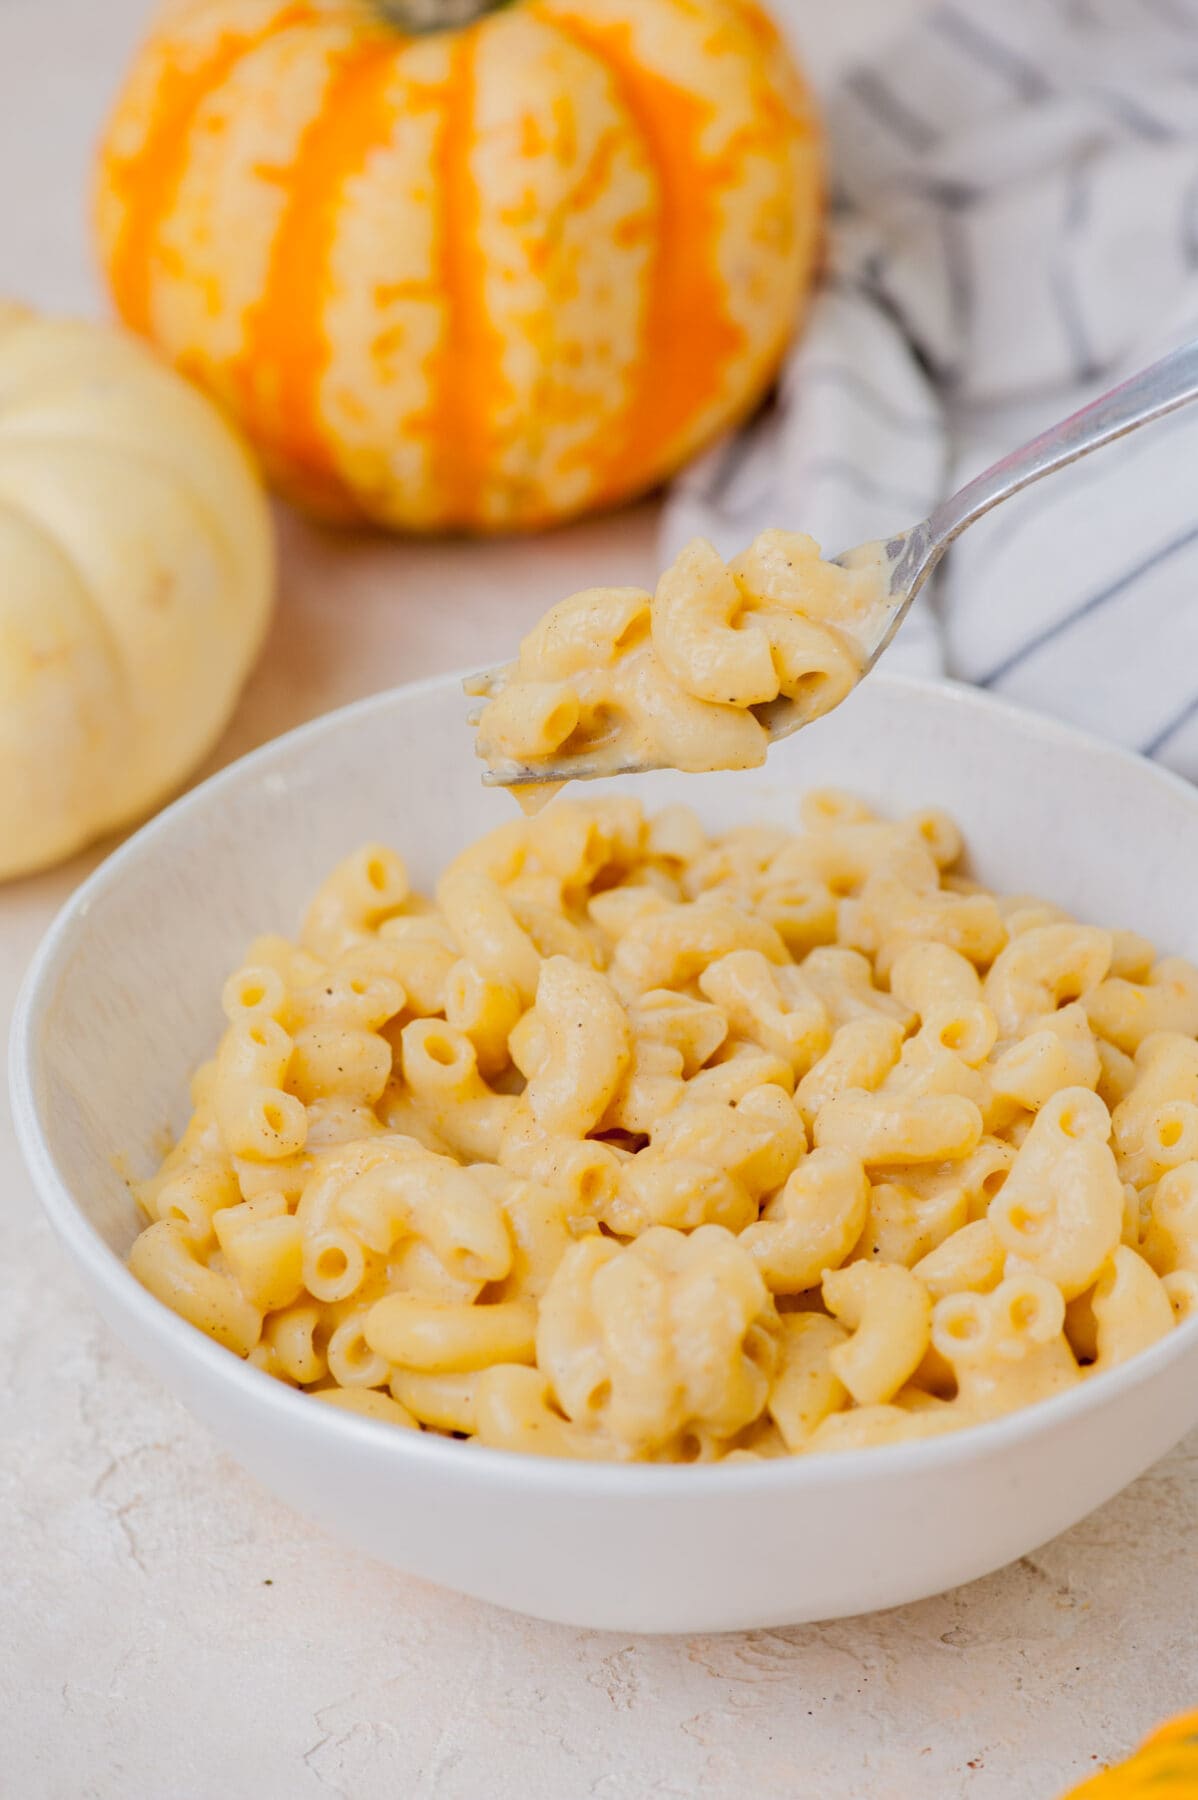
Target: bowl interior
123,1001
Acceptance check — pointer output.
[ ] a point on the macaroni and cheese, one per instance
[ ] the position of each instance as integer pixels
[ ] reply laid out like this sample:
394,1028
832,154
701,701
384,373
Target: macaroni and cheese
691,677
637,1142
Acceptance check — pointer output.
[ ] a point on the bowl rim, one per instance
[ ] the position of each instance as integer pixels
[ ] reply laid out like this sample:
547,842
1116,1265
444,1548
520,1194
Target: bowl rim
471,1463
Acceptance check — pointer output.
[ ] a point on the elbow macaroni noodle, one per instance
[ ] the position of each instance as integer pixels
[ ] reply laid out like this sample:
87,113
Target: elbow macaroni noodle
638,1143
690,676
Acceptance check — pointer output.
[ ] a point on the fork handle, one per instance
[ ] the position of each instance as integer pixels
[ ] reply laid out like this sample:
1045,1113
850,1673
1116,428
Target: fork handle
1159,389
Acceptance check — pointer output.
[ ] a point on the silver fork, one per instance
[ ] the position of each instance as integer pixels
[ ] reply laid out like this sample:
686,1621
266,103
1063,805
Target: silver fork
907,560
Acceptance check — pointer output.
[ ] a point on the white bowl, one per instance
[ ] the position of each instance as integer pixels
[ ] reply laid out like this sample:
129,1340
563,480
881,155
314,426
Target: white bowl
122,1002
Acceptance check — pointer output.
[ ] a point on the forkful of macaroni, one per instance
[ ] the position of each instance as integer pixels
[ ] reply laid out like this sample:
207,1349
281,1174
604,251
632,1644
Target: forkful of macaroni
724,658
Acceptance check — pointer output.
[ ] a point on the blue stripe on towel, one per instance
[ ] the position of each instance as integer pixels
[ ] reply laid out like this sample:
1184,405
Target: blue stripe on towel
1033,644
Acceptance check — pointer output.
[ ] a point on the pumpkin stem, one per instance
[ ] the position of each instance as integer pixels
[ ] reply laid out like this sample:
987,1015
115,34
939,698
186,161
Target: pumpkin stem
436,15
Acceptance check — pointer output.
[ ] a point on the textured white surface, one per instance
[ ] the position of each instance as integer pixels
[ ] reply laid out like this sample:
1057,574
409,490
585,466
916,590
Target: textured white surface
168,1629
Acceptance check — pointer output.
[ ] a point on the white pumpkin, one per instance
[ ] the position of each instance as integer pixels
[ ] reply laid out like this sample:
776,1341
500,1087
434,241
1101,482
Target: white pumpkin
136,574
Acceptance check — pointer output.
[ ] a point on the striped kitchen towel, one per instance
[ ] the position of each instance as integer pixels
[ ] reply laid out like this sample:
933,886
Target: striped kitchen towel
1015,228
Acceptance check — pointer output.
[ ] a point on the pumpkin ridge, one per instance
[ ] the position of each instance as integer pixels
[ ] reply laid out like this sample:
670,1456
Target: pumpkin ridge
285,349
149,180
45,534
118,659
687,337
592,178
137,454
466,367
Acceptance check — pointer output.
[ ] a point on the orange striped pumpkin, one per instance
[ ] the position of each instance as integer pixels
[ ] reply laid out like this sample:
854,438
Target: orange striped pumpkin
483,276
